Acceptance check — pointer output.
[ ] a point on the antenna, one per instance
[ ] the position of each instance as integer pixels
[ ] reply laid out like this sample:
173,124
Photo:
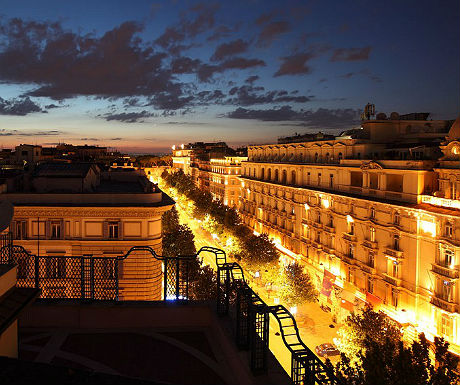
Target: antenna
369,110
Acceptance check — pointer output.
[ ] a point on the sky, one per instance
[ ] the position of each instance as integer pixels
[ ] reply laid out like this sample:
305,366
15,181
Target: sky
140,76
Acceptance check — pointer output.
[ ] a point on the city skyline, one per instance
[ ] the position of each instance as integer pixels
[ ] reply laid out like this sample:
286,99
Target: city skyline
141,78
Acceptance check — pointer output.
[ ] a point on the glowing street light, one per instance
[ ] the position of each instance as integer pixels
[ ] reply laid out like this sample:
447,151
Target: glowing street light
293,310
173,147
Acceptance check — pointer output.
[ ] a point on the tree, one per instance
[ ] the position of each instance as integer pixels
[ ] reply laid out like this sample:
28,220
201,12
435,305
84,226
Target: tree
260,249
179,242
170,220
378,356
376,326
202,280
295,285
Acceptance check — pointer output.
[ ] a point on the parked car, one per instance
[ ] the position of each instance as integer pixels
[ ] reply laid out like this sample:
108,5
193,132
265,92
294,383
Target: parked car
327,350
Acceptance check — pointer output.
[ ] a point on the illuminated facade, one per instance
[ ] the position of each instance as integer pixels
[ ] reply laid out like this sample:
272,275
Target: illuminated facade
364,209
119,209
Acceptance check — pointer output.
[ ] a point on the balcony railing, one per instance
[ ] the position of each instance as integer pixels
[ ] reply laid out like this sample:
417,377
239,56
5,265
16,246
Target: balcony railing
368,269
370,244
329,229
444,271
394,253
392,280
349,237
444,305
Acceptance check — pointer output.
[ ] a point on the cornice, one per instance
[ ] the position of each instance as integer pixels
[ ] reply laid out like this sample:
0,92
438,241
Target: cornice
96,212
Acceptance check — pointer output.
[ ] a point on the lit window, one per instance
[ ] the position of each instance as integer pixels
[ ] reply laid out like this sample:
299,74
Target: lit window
55,229
113,230
372,234
20,230
449,230
396,219
351,251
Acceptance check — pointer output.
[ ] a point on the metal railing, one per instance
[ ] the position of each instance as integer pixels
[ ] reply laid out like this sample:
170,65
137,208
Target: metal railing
250,315
90,277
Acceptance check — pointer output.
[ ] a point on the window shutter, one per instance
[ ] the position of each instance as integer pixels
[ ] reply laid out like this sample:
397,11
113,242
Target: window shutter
120,230
105,230
47,229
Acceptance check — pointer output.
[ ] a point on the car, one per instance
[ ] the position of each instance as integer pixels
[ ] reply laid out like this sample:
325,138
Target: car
327,350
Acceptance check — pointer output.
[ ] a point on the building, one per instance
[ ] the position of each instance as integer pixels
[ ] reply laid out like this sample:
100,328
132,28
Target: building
372,213
76,209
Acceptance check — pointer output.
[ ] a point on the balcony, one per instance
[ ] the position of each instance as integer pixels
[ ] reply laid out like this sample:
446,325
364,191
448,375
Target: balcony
444,271
370,244
349,237
393,253
444,305
329,229
328,250
347,259
392,280
316,245
368,269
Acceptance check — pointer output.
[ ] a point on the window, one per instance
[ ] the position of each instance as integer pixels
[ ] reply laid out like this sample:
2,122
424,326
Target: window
350,275
369,285
394,269
318,239
319,179
340,157
449,230
396,219
371,259
372,213
20,230
447,256
55,230
331,180
269,174
394,297
395,242
446,326
113,230
351,251
308,178
331,221
276,175
351,228
372,234
293,177
284,177
262,175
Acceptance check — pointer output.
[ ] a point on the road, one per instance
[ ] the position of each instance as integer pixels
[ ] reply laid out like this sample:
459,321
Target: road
313,323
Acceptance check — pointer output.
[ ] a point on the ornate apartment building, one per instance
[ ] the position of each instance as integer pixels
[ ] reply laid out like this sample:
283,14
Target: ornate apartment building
372,213
211,169
77,209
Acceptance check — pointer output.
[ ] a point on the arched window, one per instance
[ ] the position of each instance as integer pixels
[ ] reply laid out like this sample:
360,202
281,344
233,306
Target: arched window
262,174
316,157
327,158
269,174
284,177
293,181
276,175
340,157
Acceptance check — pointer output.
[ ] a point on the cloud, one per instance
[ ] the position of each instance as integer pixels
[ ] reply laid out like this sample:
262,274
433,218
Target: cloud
184,65
229,49
248,95
364,72
322,118
219,33
271,31
295,64
4,132
64,64
206,71
18,107
188,27
251,79
129,117
351,54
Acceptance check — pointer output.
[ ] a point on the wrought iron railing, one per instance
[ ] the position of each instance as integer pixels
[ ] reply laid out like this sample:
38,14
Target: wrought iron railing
250,315
90,277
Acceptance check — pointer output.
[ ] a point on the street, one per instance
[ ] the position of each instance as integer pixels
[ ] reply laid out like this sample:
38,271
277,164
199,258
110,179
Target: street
313,323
